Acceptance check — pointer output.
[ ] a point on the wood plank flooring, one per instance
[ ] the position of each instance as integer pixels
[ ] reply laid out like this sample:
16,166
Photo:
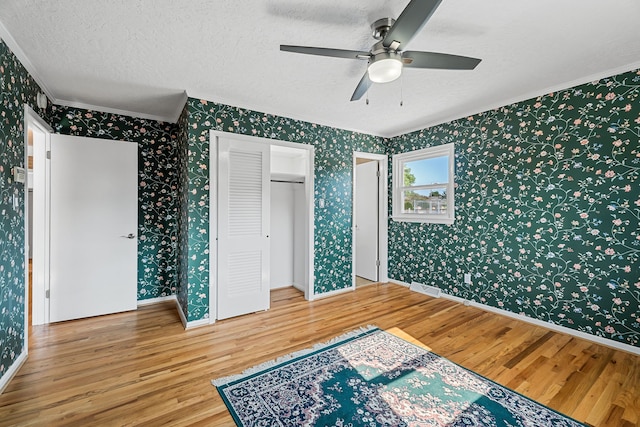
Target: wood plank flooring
142,368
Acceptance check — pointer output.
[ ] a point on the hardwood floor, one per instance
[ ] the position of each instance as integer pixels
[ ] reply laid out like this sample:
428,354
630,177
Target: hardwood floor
361,281
143,368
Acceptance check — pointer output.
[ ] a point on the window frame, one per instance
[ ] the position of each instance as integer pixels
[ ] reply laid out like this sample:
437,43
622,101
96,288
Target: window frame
398,162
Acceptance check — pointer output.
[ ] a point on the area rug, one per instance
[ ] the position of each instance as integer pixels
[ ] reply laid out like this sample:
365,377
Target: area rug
373,378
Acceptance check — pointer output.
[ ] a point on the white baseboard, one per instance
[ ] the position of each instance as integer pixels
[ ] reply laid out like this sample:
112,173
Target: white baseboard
557,328
13,370
192,324
332,293
157,300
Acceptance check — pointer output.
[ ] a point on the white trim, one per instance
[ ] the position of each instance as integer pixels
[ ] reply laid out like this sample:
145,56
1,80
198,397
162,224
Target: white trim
12,371
383,214
176,114
560,87
332,293
183,318
398,187
22,57
136,114
40,277
151,301
213,226
197,323
39,121
537,322
185,323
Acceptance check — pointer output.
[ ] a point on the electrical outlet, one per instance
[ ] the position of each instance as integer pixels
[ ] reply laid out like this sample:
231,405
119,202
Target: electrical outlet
467,278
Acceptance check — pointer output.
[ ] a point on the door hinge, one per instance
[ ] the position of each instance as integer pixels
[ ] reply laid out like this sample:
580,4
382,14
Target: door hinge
377,263
378,173
49,154
47,293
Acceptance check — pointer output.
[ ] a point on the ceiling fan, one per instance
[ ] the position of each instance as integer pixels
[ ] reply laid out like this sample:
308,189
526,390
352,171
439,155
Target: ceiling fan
387,57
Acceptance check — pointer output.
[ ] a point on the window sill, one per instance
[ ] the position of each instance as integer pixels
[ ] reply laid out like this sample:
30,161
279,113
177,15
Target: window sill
423,219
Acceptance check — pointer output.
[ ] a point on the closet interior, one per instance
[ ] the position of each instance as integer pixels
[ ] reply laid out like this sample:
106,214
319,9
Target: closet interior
289,167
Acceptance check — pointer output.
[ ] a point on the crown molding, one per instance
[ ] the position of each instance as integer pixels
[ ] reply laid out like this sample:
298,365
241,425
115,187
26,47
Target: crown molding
611,72
136,114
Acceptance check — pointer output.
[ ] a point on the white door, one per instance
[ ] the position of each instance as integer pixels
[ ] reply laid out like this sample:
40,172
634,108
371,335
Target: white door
367,220
243,227
94,222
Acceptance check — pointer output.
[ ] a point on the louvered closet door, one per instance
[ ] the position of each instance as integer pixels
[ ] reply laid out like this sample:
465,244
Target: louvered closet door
243,227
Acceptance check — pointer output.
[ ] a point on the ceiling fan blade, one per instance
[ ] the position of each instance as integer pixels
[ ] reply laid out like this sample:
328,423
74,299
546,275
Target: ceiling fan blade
442,61
323,51
362,88
410,21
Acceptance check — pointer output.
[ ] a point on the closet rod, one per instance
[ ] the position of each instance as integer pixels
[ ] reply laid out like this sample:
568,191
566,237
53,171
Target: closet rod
291,182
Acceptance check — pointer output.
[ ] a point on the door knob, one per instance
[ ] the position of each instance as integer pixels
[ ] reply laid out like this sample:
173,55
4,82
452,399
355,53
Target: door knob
129,236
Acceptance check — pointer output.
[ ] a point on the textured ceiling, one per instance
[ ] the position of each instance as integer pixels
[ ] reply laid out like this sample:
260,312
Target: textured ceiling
142,56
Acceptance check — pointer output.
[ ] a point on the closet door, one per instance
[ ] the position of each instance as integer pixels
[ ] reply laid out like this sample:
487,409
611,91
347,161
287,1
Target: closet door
243,227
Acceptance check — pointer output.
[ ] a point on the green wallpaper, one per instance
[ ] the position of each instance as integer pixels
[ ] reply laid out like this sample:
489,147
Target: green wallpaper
182,254
17,87
333,180
547,210
547,203
158,208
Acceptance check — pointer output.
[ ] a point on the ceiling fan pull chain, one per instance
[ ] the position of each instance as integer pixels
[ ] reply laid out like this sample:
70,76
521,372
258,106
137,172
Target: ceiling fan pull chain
367,99
401,95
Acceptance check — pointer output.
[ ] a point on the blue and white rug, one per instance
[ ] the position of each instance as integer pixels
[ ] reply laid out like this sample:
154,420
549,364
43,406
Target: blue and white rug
373,378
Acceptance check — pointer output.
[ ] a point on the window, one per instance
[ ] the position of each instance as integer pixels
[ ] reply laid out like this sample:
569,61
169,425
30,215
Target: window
423,185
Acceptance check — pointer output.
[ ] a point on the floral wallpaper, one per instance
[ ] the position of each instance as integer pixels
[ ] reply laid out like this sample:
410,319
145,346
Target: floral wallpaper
17,87
333,180
182,255
547,203
547,210
158,207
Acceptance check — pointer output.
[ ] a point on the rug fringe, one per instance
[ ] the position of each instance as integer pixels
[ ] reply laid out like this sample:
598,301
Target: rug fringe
271,363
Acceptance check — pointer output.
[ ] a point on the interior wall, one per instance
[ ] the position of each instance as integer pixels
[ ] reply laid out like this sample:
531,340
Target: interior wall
282,234
332,184
182,247
158,204
18,88
547,210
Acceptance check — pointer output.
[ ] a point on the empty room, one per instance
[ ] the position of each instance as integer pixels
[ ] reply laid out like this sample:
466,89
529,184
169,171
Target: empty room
315,213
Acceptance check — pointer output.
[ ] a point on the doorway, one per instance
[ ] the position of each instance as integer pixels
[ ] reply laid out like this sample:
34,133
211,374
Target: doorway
37,143
288,174
369,218
80,224
244,172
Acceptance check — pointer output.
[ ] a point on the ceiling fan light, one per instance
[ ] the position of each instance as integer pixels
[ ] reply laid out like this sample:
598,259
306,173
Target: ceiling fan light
384,70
